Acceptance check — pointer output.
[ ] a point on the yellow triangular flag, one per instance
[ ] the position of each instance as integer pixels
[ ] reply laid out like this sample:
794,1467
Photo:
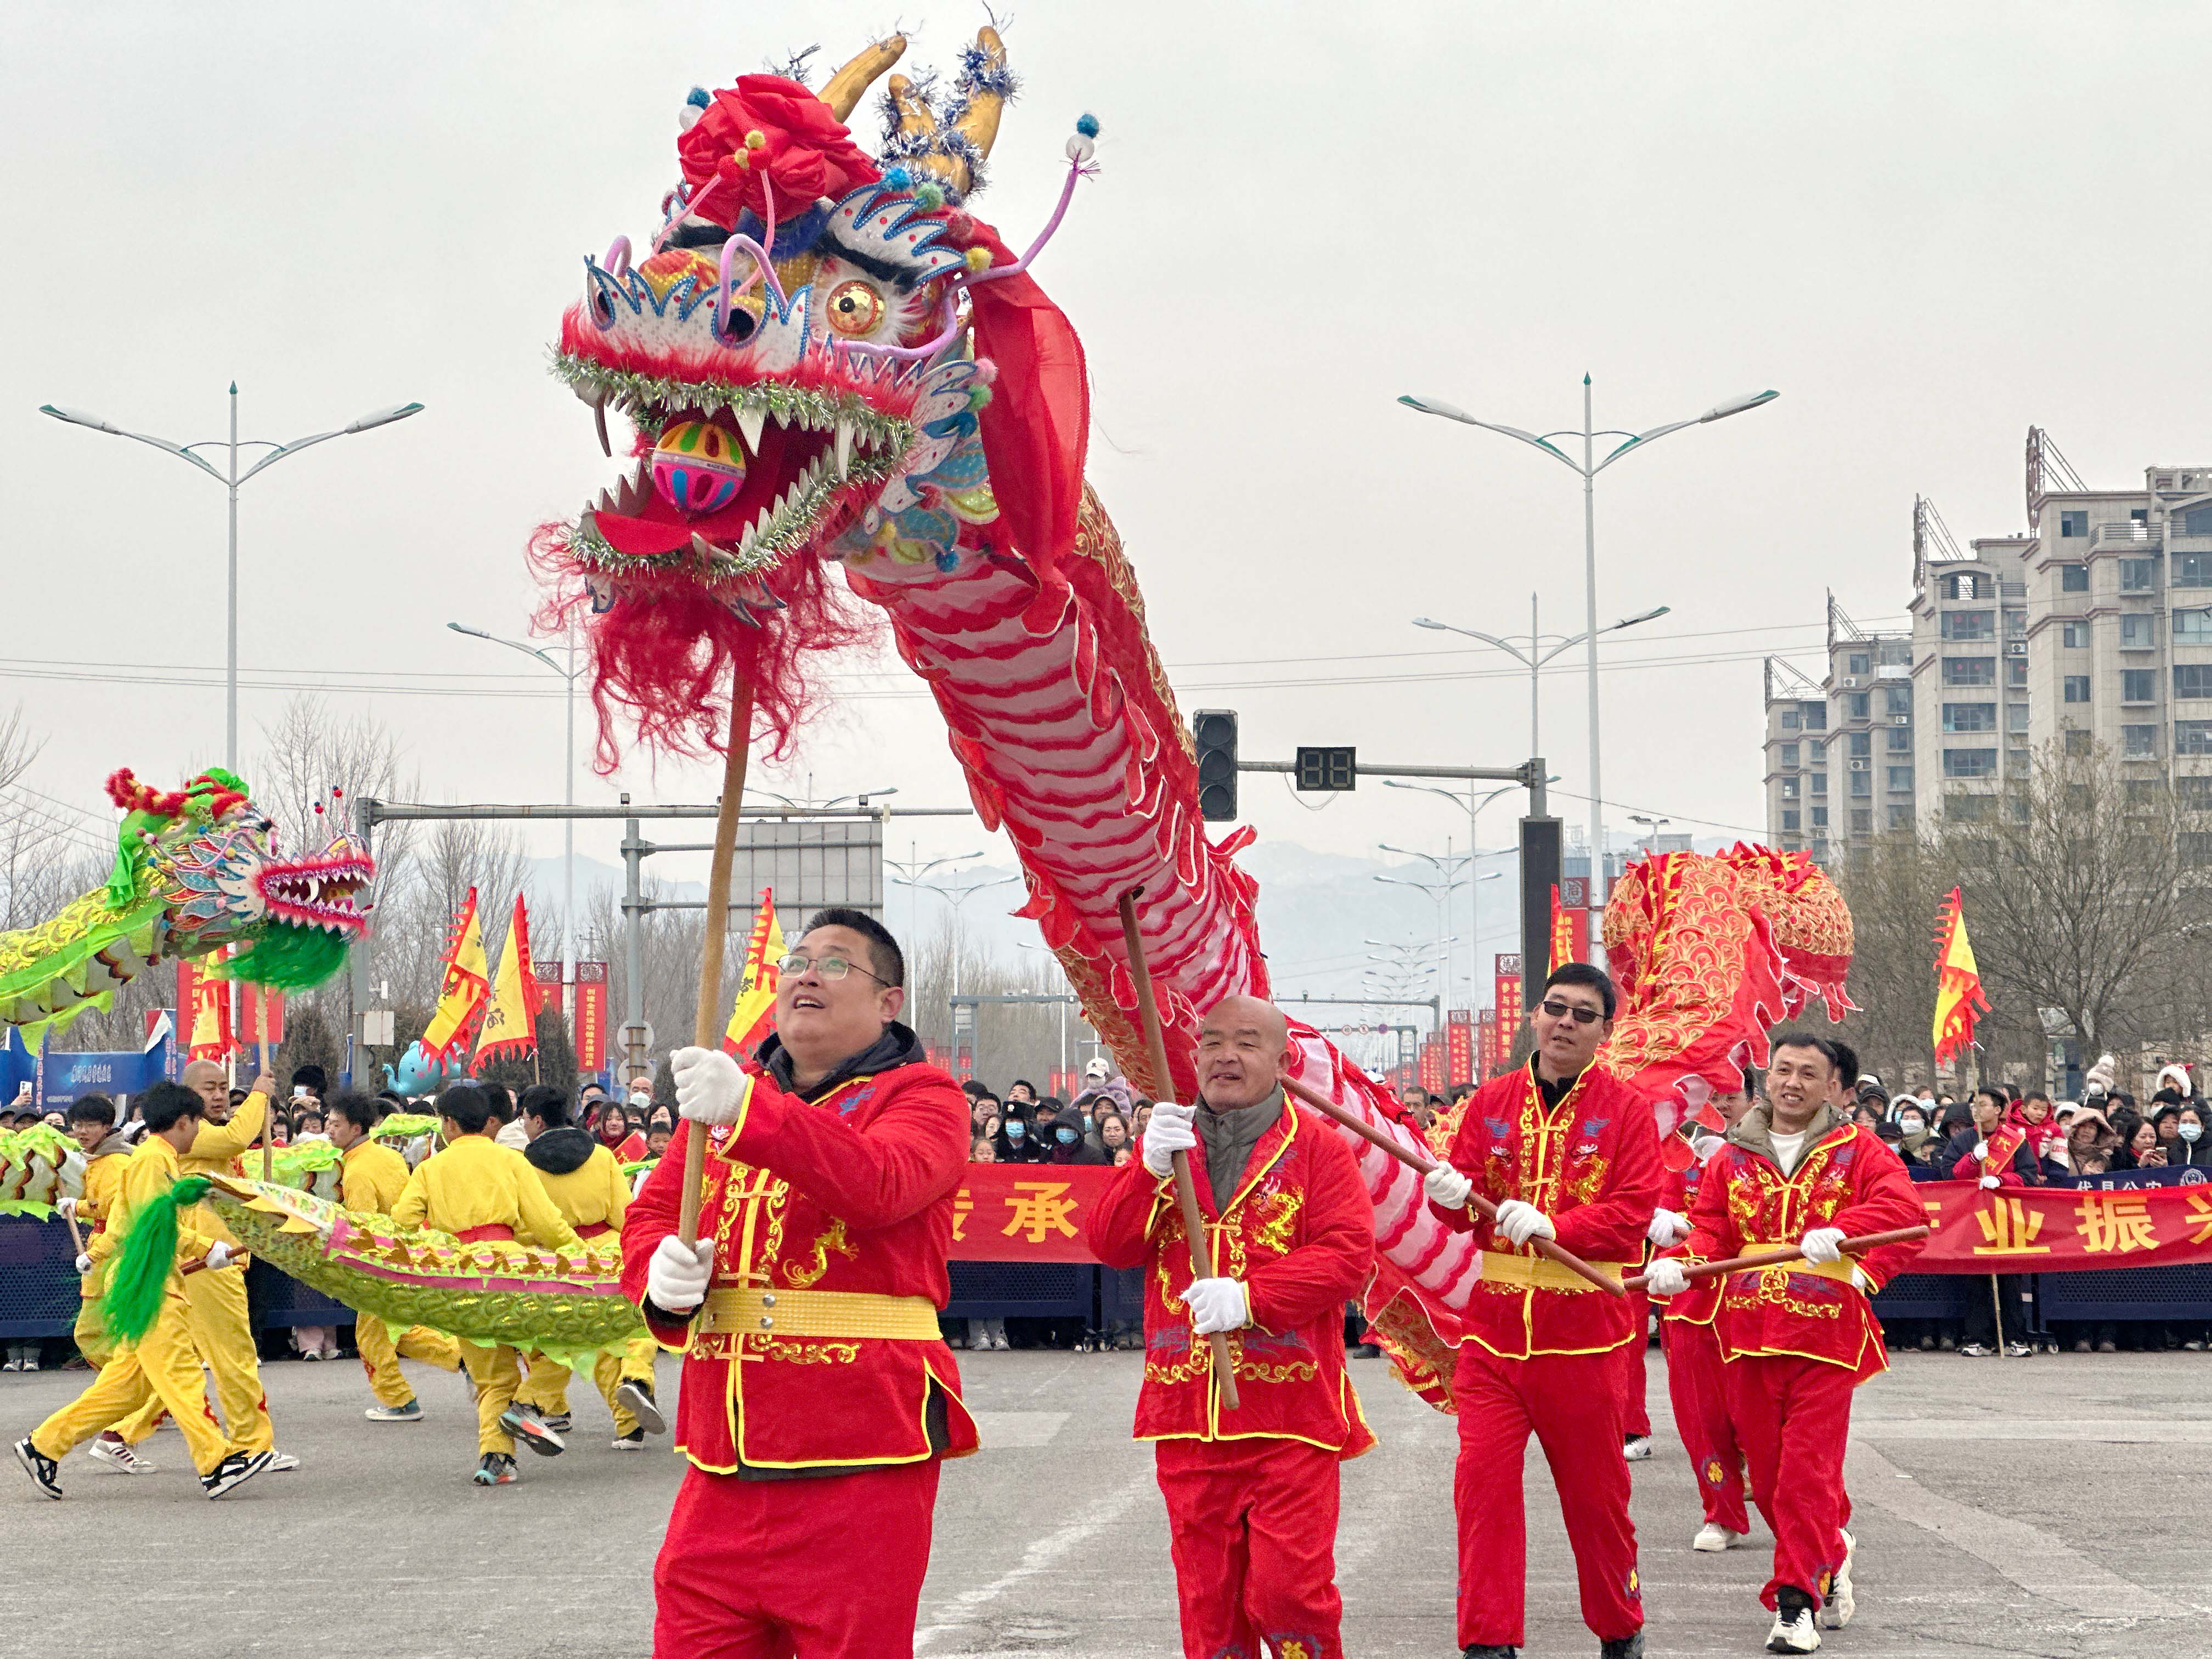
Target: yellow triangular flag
754,1017
462,993
510,1024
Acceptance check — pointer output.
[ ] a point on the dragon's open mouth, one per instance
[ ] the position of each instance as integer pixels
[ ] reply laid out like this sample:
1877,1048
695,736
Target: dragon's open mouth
737,476
318,892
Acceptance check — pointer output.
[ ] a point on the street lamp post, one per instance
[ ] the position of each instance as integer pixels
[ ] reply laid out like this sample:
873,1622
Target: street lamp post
957,898
1651,826
1587,469
1475,804
1535,656
568,797
910,871
1439,892
231,481
1449,867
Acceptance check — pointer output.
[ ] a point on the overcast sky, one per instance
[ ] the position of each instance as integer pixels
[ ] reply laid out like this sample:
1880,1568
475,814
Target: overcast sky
1927,225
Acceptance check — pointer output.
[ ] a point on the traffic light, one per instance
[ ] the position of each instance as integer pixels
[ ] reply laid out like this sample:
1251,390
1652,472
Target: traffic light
1328,768
1214,730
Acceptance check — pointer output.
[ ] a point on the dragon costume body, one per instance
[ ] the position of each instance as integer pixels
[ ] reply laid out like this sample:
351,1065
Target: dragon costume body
829,362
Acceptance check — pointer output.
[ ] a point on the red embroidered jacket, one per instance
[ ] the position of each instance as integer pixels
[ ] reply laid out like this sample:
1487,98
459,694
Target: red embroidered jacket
1299,1231
1847,1178
852,1192
1698,1304
1592,1164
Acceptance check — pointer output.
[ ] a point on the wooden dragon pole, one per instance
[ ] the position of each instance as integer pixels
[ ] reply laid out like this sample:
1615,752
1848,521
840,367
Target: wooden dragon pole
706,1029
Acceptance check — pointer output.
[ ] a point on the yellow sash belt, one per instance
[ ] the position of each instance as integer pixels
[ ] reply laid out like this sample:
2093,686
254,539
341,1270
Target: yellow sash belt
1839,1270
1536,1272
848,1313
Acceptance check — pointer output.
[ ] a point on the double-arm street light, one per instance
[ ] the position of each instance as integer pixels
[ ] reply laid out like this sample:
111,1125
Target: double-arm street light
1473,804
1537,654
231,480
956,897
568,674
1587,469
910,871
1652,827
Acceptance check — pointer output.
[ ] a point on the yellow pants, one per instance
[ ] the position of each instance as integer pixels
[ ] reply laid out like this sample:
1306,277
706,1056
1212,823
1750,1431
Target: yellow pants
161,1371
93,1340
380,1357
223,1334
547,1386
497,1372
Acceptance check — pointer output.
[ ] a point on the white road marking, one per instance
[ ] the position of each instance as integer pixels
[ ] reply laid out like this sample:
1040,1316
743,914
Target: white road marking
2136,1431
2040,1562
964,1608
1018,1430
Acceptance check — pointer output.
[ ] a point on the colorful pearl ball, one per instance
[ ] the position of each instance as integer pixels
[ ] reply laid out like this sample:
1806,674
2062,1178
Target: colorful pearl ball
697,467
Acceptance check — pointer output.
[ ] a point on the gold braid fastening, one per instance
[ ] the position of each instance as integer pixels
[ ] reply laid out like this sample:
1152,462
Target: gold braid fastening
848,1313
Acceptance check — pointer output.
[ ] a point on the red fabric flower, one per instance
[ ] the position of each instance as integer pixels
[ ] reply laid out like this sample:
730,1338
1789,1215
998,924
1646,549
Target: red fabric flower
802,149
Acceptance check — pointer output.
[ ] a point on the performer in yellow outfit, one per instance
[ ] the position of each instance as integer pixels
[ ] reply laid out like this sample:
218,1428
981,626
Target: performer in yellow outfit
372,1179
161,1365
585,1181
222,1329
477,1189
92,1126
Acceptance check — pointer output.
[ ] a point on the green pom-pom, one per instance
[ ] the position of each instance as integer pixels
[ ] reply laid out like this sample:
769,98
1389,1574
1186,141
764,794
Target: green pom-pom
930,196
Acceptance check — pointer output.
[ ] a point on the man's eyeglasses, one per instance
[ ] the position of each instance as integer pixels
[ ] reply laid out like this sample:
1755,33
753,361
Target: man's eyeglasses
826,967
1558,1010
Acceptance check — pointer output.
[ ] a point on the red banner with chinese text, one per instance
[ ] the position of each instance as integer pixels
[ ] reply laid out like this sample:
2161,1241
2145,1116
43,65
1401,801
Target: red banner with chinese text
1025,1211
1459,1052
590,1030
2046,1229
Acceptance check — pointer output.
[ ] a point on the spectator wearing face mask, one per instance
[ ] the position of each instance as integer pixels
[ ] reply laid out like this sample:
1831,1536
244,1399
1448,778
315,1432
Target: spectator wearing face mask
2191,1146
1063,1136
1914,1133
1015,1143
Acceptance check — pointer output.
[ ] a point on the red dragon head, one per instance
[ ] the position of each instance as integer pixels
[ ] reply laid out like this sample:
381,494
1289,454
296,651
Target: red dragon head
795,355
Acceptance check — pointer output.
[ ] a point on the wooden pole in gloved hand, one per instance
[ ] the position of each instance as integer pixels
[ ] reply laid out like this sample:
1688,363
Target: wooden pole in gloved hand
1194,1218
706,1029
1481,1205
268,1117
1694,1271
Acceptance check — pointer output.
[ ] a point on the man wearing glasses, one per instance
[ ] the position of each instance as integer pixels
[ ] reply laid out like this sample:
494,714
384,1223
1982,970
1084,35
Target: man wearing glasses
1569,1152
816,1397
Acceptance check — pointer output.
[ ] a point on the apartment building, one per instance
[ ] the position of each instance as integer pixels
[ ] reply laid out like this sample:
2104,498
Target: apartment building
2091,631
1840,765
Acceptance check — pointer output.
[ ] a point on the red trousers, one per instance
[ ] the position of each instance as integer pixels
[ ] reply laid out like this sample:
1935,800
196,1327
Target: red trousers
1572,1403
1252,1527
830,1568
1701,1418
1794,1417
1635,1415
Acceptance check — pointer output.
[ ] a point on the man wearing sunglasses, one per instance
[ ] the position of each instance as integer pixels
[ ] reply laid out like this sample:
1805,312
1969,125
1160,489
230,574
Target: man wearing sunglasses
816,1397
1569,1152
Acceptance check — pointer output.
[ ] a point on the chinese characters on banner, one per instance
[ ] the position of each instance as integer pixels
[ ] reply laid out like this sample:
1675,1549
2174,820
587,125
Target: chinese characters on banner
1574,899
1025,1212
1486,1047
1432,1063
1508,995
207,1027
591,1027
1459,1047
2042,1229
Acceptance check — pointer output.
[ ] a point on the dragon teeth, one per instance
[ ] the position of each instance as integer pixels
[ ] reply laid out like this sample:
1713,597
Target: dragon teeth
750,422
844,448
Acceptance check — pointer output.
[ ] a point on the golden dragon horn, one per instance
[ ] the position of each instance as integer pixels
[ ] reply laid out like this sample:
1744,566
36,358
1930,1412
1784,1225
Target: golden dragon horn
844,89
980,125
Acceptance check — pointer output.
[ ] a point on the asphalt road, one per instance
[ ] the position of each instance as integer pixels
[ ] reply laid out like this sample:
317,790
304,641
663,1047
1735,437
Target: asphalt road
2050,1506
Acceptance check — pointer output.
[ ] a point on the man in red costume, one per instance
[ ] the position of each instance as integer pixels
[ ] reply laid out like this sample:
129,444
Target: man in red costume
1797,1339
1251,1493
816,1397
1693,1353
1568,1152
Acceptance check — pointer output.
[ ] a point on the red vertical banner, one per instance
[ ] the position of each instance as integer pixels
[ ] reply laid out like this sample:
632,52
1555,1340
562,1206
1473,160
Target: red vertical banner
251,1000
204,1029
1432,1064
591,1028
1507,991
1486,1048
1459,1047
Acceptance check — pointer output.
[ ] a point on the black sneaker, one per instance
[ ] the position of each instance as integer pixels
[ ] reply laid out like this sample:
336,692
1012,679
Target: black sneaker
233,1472
1489,1650
1621,1647
495,1469
45,1472
636,1395
634,1440
531,1431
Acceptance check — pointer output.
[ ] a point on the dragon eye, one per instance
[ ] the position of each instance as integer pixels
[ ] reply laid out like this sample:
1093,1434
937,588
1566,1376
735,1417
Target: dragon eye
855,308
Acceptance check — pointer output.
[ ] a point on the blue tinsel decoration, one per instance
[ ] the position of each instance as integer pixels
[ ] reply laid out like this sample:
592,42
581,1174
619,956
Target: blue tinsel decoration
1087,124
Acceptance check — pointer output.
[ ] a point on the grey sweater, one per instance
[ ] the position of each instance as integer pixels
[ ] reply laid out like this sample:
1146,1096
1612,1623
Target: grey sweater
1229,1138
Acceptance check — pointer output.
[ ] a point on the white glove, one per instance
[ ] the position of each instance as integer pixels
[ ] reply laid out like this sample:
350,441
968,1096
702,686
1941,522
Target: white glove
1981,1149
1169,1131
1822,1244
1990,1184
675,1278
83,1266
1665,1277
709,1087
1447,1188
1860,1280
1216,1304
1521,1222
1668,1227
65,1208
218,1256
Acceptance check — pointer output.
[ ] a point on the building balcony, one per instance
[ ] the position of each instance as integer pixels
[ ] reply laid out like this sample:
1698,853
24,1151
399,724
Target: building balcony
2127,532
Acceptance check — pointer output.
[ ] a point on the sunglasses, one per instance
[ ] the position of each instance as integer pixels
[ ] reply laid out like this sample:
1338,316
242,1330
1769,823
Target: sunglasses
1558,1010
826,967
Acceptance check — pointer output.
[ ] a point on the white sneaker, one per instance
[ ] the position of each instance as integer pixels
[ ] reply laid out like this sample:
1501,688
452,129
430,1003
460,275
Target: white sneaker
280,1463
1975,1351
1637,1449
1797,1636
2018,1351
116,1453
1713,1538
1836,1611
